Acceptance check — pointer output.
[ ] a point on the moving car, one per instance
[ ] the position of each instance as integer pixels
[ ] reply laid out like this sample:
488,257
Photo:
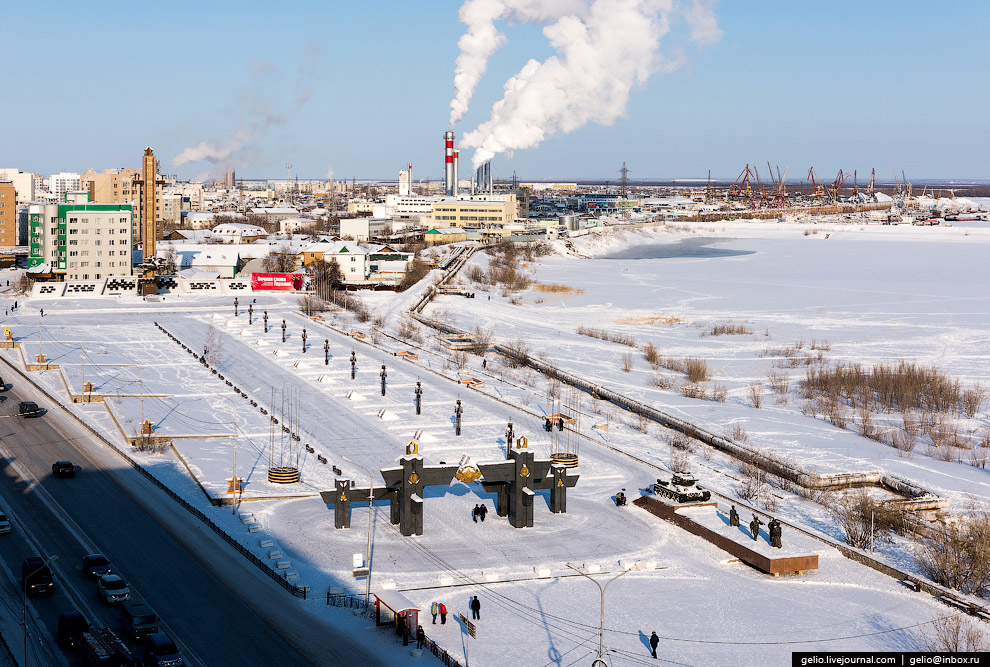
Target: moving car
113,589
36,577
96,565
63,469
161,651
4,524
137,619
71,626
28,409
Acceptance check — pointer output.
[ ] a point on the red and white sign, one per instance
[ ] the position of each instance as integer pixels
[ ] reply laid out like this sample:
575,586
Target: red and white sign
276,281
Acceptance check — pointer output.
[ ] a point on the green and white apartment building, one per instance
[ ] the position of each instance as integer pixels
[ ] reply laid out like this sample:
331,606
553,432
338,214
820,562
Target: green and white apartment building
80,240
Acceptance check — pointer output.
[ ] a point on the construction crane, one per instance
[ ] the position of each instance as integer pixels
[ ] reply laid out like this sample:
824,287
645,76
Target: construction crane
840,180
873,180
708,190
855,185
907,186
820,191
779,190
740,188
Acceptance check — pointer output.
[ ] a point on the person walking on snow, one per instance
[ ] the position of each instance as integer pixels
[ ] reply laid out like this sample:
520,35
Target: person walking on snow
434,609
420,637
474,514
476,608
654,641
443,613
482,512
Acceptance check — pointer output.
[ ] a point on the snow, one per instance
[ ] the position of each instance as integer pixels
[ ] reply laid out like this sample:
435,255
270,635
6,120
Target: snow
875,293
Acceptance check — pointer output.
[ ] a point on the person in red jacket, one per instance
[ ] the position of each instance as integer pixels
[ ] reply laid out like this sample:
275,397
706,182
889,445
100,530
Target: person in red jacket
443,613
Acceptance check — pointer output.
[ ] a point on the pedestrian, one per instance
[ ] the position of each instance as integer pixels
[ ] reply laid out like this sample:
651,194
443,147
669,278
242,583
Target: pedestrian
420,637
443,614
484,364
654,640
434,609
475,512
15,305
42,312
476,608
482,512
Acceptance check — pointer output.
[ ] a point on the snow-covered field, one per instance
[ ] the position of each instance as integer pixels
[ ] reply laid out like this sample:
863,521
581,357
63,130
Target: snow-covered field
874,293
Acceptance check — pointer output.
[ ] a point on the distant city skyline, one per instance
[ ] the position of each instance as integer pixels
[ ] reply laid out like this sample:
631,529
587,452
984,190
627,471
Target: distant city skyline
360,91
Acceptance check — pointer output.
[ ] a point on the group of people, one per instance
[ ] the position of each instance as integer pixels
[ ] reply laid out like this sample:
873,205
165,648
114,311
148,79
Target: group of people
773,527
480,511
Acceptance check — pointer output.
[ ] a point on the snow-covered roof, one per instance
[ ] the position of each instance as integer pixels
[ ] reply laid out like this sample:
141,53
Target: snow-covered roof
396,601
197,274
275,210
239,228
446,230
216,256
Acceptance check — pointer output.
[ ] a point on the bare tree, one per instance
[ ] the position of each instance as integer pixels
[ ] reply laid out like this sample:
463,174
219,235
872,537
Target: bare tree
958,555
213,346
280,260
955,634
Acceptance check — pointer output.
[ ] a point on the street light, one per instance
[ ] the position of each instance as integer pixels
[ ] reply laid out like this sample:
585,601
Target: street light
27,632
371,508
601,627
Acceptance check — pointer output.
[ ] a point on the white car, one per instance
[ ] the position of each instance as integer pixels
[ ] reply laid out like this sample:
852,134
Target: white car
4,524
113,589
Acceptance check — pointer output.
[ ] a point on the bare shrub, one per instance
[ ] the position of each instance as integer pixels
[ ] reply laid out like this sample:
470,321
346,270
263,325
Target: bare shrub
309,304
670,363
679,461
602,334
723,329
680,441
972,400
720,393
408,329
551,288
518,354
376,336
460,359
652,354
696,370
379,321
483,338
955,634
660,381
627,362
416,271
736,433
756,394
864,519
958,555
692,390
753,485
779,382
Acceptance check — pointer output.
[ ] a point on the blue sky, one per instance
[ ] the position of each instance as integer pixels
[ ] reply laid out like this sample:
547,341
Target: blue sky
364,88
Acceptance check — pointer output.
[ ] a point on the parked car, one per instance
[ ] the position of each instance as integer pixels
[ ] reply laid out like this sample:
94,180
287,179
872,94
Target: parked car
96,565
137,619
36,577
28,409
63,469
71,626
4,524
161,651
113,589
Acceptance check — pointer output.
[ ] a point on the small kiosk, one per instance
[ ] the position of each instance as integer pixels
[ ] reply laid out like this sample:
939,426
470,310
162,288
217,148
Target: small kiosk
405,614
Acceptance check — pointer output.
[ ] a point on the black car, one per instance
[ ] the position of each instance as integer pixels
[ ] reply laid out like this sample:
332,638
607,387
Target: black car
63,469
36,577
96,565
28,409
71,625
161,651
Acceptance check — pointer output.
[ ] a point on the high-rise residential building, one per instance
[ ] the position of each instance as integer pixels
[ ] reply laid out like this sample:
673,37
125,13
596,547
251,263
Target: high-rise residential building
79,240
8,215
26,184
59,184
111,186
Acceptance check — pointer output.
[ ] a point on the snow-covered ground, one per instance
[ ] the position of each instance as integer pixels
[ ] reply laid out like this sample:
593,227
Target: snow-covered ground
873,292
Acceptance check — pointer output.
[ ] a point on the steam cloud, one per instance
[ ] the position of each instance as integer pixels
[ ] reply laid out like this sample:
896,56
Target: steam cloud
265,104
604,48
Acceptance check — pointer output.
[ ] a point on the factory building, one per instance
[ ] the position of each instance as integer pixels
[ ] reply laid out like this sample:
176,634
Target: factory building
475,211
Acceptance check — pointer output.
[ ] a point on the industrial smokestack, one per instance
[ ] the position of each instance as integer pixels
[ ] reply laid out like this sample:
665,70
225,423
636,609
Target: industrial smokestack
448,174
457,157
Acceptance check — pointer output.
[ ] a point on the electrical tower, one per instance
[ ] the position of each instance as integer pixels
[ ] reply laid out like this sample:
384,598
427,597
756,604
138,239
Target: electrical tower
623,179
288,180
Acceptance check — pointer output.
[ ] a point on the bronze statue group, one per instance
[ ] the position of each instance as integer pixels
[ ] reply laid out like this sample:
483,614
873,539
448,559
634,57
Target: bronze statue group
773,528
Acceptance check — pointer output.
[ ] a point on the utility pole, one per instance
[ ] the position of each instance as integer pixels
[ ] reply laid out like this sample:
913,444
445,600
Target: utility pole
623,179
371,509
601,627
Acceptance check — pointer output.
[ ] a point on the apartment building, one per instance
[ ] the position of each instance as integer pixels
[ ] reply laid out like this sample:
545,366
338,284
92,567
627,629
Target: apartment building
59,184
478,212
79,240
27,185
8,215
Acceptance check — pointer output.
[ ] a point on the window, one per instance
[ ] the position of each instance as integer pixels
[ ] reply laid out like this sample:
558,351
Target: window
73,253
73,242
73,231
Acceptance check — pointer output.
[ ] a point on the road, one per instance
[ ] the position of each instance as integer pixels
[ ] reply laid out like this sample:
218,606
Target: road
106,507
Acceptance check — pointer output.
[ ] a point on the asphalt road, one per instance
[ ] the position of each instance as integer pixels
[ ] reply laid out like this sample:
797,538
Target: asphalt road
96,509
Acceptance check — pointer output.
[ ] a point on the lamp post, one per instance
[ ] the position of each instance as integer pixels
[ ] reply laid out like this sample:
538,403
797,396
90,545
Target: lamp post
283,331
353,362
601,627
419,396
457,415
326,351
371,509
266,321
27,631
383,375
235,306
250,313
304,340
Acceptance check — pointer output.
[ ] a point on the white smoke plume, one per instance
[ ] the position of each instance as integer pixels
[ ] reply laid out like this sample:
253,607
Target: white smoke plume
604,49
482,39
220,153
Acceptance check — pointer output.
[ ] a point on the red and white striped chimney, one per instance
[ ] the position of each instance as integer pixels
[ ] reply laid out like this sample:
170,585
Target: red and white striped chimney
457,157
448,173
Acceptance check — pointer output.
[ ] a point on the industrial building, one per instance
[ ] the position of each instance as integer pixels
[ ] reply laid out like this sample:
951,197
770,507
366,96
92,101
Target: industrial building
79,240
